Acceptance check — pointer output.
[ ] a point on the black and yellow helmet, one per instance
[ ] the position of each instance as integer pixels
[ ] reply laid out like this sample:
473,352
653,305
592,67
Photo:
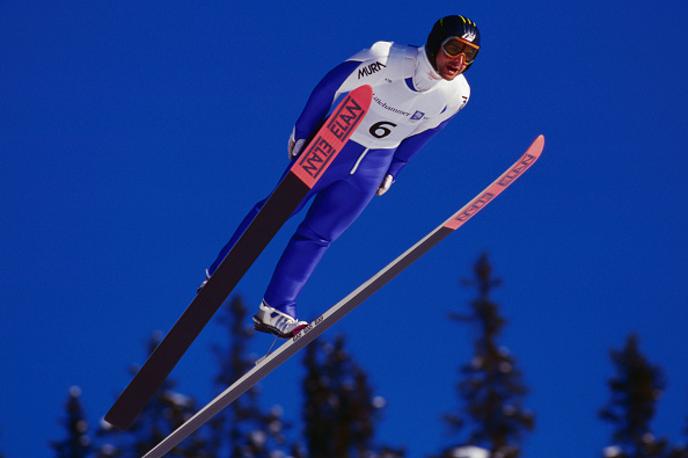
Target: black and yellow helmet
449,27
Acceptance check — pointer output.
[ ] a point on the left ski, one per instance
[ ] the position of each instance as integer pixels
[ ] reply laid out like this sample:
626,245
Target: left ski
267,364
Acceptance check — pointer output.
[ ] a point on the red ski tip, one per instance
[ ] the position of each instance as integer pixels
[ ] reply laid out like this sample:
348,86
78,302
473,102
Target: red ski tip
498,186
539,143
332,136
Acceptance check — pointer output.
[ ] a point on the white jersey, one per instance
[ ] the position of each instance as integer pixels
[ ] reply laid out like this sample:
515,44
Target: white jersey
409,97
411,101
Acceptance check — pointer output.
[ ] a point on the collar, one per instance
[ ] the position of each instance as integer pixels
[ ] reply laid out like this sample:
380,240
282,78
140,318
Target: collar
425,77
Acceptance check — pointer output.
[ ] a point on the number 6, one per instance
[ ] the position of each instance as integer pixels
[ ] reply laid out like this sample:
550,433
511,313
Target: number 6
378,130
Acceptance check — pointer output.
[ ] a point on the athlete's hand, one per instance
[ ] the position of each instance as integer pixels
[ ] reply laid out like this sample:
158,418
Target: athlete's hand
385,185
294,147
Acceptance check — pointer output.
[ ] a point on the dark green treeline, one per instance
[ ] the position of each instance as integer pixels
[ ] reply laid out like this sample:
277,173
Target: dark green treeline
341,407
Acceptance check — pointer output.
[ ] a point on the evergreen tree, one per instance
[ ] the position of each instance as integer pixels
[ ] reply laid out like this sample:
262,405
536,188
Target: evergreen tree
682,450
243,430
678,452
340,410
635,390
166,411
491,388
2,455
77,444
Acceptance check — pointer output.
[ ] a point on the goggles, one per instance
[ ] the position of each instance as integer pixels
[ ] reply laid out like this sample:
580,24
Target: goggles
453,46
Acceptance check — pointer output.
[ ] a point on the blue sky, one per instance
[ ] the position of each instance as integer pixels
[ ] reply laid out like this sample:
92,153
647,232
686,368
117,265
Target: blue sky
133,138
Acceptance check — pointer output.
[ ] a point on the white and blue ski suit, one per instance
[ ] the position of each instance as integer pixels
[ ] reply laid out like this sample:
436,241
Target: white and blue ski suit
411,103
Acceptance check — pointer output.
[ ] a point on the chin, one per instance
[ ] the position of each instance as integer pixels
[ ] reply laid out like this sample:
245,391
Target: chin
449,76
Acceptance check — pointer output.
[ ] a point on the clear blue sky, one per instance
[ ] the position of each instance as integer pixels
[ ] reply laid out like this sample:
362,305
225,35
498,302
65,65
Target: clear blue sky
128,153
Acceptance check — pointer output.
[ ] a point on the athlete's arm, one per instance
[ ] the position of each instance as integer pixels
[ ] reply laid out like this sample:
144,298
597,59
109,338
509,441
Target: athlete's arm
319,104
410,146
341,79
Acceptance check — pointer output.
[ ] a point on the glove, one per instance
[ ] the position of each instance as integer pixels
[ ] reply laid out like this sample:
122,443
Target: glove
295,146
385,185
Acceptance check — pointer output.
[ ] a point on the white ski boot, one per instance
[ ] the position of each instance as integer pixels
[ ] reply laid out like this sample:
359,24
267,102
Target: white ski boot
271,320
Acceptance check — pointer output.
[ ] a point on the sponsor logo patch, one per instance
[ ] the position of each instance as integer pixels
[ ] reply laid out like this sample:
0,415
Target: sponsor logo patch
316,158
370,69
384,105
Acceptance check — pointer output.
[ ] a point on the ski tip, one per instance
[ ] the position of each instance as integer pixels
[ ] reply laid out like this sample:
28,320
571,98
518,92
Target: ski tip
539,142
535,148
365,90
363,95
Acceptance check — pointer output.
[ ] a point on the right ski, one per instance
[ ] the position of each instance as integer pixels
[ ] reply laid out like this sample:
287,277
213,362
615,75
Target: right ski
306,171
273,360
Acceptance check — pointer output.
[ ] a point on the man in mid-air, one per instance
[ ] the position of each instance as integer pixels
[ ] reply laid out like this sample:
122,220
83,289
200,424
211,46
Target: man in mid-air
416,91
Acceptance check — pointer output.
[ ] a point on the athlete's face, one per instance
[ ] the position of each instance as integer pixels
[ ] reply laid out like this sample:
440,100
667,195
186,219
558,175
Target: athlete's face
450,67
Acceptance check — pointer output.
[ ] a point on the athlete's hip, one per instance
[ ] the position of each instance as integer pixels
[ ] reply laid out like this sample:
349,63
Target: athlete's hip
356,159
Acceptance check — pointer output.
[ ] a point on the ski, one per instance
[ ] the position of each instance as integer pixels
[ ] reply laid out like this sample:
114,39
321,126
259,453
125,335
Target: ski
307,169
267,364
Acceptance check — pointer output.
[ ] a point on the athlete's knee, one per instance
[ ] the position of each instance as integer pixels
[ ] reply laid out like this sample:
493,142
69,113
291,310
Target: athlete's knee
306,232
259,205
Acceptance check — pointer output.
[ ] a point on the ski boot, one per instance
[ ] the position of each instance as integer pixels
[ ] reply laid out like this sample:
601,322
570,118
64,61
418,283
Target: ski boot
271,320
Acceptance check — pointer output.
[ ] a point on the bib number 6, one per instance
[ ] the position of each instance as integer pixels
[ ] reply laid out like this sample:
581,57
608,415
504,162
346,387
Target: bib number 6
381,129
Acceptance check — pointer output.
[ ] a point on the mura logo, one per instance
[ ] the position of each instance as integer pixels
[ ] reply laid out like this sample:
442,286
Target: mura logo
418,115
370,69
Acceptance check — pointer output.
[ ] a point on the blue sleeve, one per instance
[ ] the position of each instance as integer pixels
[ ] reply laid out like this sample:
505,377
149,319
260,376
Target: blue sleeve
410,146
320,101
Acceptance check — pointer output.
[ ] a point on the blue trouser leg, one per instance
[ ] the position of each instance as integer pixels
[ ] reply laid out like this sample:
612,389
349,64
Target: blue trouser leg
339,198
332,212
244,224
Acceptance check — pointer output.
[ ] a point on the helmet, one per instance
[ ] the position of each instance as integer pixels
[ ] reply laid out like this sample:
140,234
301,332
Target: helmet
447,27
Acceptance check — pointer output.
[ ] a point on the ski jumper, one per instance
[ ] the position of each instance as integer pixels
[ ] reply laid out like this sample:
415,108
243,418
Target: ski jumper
411,103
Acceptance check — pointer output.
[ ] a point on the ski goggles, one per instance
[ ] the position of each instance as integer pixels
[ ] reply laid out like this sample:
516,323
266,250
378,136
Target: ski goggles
454,46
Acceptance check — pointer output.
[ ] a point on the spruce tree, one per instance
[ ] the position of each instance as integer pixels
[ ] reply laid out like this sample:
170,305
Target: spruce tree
77,443
244,429
682,450
340,410
166,411
2,455
678,452
635,390
491,388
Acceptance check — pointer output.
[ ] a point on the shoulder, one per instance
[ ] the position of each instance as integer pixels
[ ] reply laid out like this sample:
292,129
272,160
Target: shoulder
393,60
456,93
385,50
